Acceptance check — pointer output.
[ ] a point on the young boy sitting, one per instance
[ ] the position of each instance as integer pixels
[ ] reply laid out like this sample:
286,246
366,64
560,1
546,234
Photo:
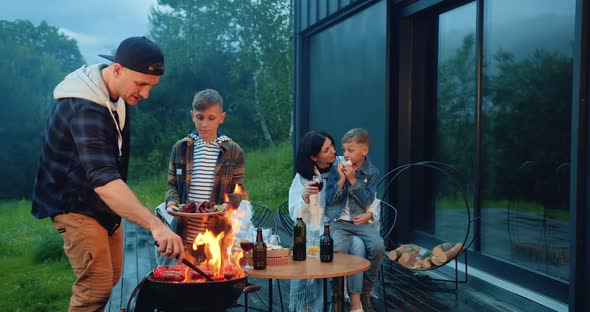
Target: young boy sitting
351,190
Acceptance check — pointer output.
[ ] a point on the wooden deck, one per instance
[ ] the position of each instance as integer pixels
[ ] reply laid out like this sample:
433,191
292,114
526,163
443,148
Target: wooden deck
403,294
138,261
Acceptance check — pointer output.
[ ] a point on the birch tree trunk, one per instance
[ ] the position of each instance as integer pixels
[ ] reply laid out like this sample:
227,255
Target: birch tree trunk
291,100
259,114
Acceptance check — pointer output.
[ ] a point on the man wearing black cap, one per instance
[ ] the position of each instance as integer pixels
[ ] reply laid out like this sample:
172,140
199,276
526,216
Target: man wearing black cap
80,181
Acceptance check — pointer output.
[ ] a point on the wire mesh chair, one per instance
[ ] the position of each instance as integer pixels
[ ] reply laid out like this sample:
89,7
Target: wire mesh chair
388,220
262,216
283,221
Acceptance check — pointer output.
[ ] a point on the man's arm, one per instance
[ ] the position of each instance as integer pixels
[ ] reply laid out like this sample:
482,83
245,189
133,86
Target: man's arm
119,197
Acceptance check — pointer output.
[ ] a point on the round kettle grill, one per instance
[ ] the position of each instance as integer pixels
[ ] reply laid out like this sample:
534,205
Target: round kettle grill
156,295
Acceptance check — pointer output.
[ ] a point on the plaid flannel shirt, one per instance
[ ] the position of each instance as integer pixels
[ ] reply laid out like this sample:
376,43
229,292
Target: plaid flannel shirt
79,153
229,170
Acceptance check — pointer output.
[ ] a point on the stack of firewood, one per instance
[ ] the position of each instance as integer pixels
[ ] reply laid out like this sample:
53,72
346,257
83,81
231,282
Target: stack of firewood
409,256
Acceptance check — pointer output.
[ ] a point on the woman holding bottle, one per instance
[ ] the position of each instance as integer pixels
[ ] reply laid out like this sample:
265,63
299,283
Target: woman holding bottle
307,199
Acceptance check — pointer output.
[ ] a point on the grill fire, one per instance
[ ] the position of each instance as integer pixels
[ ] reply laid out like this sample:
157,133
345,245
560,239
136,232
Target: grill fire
212,251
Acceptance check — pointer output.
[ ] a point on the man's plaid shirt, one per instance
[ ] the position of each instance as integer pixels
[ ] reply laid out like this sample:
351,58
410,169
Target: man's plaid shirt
79,153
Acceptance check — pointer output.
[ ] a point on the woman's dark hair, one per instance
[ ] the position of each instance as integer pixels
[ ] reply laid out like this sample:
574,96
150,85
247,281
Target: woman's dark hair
310,145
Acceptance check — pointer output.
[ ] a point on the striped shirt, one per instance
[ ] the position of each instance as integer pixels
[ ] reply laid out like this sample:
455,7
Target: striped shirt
205,157
203,172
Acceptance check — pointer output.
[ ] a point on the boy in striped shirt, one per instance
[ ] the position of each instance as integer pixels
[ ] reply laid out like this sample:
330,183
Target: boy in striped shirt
206,164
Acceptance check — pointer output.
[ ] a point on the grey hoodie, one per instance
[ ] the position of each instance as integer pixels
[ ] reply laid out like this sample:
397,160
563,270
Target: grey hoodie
86,83
79,152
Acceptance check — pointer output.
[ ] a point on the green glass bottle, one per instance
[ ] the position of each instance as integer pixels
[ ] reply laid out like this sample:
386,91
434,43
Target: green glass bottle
326,245
259,252
299,239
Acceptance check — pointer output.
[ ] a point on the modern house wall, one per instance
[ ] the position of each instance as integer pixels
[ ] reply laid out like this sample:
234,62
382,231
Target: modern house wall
494,88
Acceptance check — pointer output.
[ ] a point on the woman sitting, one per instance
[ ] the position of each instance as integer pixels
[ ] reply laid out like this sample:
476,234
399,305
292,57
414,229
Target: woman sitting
315,156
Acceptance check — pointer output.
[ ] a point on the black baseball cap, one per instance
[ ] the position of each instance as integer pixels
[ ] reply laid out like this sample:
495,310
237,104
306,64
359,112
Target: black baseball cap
139,54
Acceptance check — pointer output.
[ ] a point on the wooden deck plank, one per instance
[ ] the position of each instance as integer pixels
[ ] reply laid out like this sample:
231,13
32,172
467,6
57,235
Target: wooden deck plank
404,294
130,269
138,260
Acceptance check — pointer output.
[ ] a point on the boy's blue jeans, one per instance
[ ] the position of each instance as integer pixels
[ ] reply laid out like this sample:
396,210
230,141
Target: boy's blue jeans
342,232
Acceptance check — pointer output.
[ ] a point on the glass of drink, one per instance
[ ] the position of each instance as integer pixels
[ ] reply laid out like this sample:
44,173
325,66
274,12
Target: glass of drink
247,248
319,182
313,247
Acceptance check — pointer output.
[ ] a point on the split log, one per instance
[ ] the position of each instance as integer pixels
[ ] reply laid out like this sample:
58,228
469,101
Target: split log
445,252
408,257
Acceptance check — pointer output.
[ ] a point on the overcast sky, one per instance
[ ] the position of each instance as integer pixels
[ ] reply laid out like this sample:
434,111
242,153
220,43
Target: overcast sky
97,26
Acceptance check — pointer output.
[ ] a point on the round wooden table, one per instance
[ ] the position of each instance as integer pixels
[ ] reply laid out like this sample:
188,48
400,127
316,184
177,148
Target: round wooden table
343,265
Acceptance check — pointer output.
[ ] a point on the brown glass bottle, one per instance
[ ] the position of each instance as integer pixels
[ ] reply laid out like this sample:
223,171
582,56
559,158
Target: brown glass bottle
259,252
326,245
299,239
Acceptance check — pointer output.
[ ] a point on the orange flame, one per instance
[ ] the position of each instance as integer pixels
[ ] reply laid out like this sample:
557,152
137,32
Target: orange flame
220,263
212,250
240,191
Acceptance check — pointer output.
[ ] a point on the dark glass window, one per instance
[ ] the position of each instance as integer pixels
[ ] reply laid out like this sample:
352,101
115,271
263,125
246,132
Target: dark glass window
454,139
525,127
346,79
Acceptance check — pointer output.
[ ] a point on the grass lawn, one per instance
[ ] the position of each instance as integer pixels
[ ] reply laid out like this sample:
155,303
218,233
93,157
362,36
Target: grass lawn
35,274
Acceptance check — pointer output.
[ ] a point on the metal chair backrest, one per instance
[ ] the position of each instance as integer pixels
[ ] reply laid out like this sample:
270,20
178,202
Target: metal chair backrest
283,220
262,216
388,225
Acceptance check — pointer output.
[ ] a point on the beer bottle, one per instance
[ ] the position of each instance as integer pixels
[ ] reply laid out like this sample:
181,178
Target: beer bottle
326,245
299,239
259,251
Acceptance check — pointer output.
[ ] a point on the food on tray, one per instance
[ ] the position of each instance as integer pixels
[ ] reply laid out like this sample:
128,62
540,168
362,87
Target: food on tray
202,207
165,274
182,273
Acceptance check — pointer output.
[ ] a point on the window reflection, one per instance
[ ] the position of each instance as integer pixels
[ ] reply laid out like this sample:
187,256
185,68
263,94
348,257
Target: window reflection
525,127
454,141
526,133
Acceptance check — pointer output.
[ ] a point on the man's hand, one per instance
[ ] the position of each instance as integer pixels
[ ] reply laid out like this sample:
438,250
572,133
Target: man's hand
169,243
119,197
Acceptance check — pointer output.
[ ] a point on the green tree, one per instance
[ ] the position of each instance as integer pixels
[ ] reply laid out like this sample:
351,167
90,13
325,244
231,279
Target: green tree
526,116
243,49
456,108
530,122
34,59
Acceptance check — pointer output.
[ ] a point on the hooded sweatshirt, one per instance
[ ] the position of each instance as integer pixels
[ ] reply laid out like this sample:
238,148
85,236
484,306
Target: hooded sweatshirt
85,145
